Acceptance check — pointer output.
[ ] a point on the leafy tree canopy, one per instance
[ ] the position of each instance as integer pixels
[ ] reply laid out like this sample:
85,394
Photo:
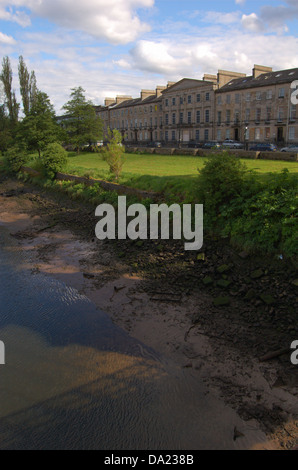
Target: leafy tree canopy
81,123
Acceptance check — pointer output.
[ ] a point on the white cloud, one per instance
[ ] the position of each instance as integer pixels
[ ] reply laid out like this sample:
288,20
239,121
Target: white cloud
114,21
4,39
252,23
217,17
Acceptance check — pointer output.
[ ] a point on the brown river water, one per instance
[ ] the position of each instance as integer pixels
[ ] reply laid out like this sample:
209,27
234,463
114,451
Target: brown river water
72,379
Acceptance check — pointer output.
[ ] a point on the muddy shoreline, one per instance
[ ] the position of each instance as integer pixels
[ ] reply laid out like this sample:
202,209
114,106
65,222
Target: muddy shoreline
215,314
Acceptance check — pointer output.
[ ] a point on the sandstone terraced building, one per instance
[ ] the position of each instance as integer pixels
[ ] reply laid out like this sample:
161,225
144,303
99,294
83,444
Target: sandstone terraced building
229,105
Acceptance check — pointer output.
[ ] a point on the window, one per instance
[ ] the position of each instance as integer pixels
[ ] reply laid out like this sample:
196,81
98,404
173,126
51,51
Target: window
258,114
228,116
281,93
219,118
291,133
267,133
173,101
268,113
228,99
198,97
181,118
167,119
219,101
189,99
258,96
257,133
206,134
198,117
293,112
173,135
269,94
228,134
174,118
237,98
167,102
166,136
181,99
247,115
280,114
207,96
207,115
237,117
247,96
197,134
219,134
189,117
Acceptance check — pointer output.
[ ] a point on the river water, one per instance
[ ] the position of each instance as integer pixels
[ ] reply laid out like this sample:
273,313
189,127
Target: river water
74,380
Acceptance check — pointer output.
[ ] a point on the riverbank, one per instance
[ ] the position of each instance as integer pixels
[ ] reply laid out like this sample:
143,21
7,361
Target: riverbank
215,316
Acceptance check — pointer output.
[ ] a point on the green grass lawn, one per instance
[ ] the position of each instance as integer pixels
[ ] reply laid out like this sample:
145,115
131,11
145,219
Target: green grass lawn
164,165
176,175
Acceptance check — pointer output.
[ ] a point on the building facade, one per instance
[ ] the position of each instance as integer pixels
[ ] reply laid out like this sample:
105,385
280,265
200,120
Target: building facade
229,105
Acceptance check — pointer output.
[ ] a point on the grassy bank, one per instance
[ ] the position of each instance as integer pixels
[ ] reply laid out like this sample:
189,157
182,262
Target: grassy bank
251,202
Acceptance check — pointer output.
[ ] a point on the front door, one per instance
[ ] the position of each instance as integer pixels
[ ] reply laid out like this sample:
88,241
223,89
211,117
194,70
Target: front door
280,134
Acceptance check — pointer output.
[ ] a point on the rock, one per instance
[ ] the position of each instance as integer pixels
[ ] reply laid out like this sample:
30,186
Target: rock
223,283
257,274
223,268
207,280
243,254
267,299
251,294
221,301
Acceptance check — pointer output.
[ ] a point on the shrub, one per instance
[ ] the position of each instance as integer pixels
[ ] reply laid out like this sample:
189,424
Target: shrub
113,154
220,180
54,159
15,158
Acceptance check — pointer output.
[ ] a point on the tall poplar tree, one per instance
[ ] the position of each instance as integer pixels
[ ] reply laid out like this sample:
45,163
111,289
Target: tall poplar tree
11,101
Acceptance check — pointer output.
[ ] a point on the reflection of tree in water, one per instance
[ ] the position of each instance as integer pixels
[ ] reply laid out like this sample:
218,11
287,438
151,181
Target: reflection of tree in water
114,411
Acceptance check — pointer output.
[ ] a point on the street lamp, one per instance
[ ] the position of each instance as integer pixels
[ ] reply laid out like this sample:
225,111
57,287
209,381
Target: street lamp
246,137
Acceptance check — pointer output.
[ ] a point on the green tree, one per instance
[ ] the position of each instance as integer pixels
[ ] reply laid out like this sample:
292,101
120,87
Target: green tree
82,124
24,79
28,87
33,89
11,102
54,159
39,127
113,154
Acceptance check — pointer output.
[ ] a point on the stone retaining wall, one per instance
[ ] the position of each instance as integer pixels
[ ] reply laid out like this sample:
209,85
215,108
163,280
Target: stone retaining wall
283,156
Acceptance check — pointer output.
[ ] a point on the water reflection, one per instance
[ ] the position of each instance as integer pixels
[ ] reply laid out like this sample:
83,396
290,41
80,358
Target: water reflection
73,380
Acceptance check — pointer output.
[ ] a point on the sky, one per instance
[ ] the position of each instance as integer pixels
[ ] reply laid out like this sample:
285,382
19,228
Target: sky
118,47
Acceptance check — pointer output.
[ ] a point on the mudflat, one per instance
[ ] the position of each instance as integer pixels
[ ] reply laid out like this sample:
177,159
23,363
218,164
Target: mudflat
224,316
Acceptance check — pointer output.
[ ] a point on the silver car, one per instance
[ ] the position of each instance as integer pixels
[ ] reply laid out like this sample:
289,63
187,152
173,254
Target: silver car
290,148
232,144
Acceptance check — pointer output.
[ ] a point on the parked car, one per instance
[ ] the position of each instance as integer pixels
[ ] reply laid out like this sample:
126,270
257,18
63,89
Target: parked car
194,145
154,144
263,148
290,148
232,144
211,145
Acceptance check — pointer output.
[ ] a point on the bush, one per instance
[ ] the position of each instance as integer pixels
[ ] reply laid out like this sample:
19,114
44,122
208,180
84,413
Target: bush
220,180
54,159
15,159
113,154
